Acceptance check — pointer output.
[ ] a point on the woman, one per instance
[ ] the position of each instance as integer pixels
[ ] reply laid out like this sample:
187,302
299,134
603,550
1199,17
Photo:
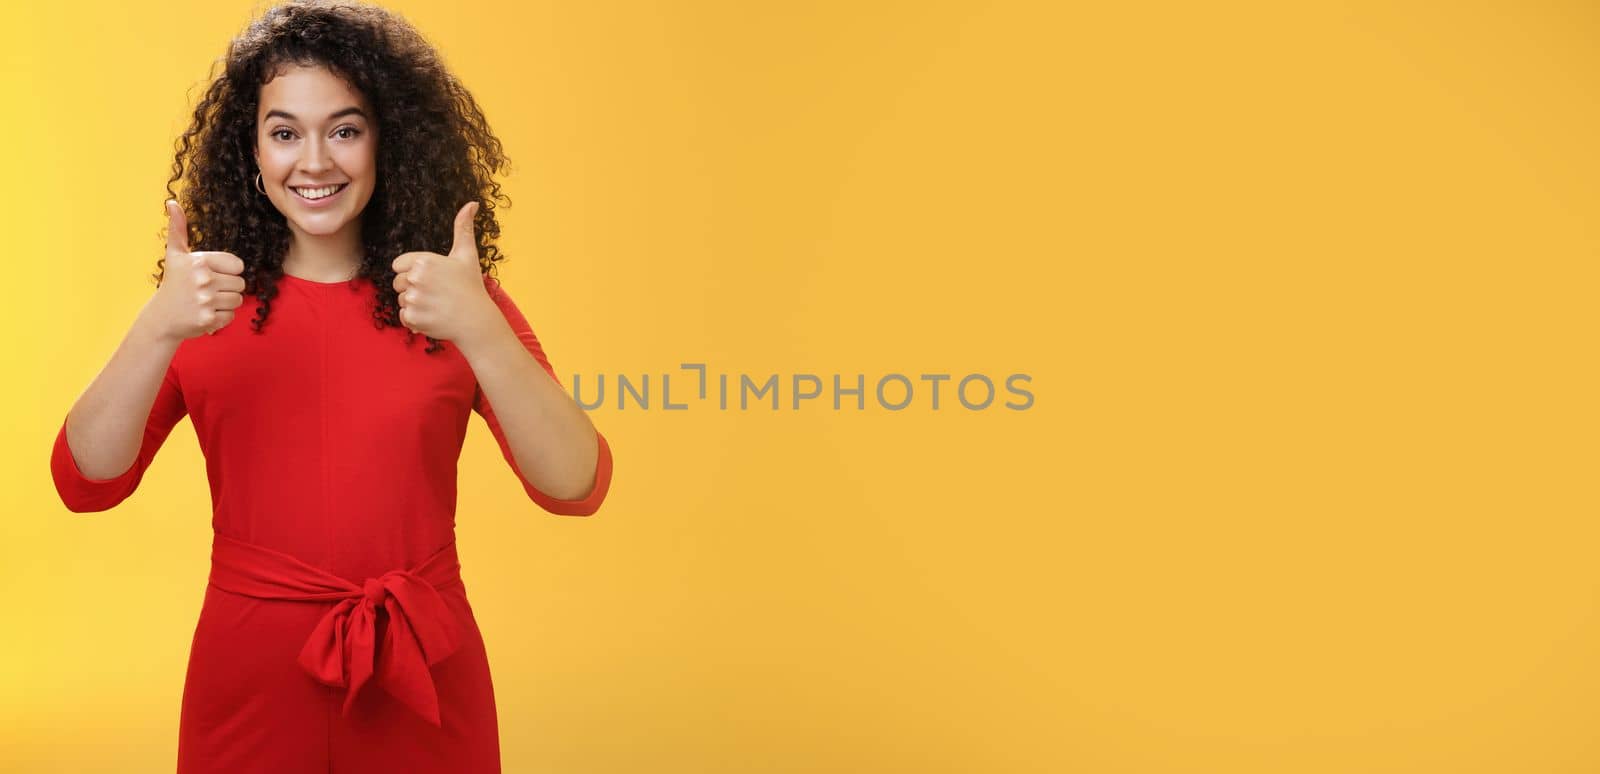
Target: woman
332,182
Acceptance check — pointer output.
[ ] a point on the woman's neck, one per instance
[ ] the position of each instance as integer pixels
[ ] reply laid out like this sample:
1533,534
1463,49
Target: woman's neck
331,258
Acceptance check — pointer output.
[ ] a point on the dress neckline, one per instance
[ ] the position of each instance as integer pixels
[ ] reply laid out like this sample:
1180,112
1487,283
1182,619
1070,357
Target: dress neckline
313,283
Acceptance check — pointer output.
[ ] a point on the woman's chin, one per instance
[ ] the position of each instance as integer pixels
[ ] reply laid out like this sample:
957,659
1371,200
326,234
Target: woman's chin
320,225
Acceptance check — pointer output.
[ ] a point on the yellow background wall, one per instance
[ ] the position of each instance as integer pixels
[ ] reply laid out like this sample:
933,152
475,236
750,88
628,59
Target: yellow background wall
1306,292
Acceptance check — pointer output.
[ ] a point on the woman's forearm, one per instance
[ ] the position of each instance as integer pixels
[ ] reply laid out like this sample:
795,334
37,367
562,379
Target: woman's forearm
105,427
550,435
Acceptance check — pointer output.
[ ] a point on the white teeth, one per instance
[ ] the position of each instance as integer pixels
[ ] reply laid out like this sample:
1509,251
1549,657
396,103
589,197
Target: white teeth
318,193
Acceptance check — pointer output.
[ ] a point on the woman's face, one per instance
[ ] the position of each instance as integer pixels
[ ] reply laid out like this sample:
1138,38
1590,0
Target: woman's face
315,132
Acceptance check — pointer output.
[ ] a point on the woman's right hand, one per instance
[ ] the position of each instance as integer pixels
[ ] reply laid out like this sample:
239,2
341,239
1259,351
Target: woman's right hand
199,290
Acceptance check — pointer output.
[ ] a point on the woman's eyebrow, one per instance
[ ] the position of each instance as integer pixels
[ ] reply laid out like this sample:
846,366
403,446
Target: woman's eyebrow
345,112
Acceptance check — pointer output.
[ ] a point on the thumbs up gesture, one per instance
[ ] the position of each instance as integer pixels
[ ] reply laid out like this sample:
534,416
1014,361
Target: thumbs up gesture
443,296
199,290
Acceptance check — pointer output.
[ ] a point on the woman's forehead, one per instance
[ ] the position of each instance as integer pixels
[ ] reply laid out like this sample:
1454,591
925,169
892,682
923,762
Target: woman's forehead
308,93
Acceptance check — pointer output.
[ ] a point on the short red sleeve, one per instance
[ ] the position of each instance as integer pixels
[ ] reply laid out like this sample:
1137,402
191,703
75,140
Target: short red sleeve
602,475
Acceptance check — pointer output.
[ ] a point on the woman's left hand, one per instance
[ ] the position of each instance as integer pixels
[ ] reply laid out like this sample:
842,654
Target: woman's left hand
443,296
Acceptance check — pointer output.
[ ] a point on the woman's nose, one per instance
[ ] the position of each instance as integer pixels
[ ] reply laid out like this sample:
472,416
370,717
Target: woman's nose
315,158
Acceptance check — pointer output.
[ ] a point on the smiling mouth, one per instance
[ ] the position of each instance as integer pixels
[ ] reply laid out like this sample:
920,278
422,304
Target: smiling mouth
315,194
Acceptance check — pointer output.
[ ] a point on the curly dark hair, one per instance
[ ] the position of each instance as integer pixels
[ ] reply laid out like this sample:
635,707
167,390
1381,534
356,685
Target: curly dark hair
435,150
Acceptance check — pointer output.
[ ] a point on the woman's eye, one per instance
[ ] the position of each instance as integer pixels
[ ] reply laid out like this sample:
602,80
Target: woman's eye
352,130
277,132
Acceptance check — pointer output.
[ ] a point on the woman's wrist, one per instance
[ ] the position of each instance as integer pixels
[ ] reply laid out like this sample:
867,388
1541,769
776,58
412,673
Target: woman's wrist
148,331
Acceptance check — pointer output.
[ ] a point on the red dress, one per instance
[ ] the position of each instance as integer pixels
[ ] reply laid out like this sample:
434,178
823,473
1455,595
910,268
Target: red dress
335,634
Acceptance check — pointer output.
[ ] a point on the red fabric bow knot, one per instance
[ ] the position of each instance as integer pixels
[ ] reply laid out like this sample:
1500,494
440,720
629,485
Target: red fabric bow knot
343,650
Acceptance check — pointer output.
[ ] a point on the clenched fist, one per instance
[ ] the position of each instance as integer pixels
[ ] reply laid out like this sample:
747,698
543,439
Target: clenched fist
199,290
443,296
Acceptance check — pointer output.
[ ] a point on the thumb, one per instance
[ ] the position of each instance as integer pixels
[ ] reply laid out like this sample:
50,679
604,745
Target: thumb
466,242
177,228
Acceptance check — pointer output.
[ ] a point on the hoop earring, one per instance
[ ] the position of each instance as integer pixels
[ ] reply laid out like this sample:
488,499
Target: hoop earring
258,184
